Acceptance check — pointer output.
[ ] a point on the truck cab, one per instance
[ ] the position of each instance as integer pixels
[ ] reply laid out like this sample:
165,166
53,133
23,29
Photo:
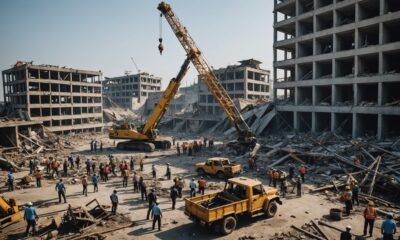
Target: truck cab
220,167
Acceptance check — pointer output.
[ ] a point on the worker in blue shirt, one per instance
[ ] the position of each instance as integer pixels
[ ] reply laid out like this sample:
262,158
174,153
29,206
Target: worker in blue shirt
114,202
156,215
10,179
60,188
95,181
388,227
30,216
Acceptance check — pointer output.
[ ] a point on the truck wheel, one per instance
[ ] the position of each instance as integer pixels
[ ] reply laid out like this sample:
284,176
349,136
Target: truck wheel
217,226
220,175
270,209
228,225
200,171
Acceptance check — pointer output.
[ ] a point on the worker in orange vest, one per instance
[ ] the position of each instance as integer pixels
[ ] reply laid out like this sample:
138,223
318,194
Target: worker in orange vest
47,162
141,163
38,175
125,177
370,215
270,176
347,196
202,185
276,177
302,171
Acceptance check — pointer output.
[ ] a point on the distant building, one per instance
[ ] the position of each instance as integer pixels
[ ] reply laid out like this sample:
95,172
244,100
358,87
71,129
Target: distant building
64,99
131,91
245,81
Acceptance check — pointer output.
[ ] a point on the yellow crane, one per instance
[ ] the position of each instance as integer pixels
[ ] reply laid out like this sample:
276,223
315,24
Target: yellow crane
147,138
246,136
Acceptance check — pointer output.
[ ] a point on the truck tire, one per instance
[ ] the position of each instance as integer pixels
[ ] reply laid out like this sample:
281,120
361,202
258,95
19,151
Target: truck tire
200,171
217,226
270,209
228,225
220,175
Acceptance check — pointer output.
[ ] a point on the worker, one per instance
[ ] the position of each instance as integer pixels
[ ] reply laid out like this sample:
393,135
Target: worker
113,166
93,163
388,228
302,171
152,199
106,172
91,145
30,217
178,149
192,186
60,188
10,180
275,178
357,161
346,235
168,173
47,163
270,176
298,186
125,178
38,175
173,141
31,167
101,146
55,166
95,145
250,161
291,171
78,161
202,185
180,184
95,181
141,163
370,214
132,164
347,197
153,170
284,187
65,168
143,188
356,191
156,215
114,202
173,195
84,185
135,179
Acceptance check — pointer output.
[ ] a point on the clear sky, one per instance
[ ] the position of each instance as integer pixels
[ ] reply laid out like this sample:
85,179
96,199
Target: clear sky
104,35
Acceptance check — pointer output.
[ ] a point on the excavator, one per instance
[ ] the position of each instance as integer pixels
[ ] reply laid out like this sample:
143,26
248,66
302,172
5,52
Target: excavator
246,137
10,212
146,137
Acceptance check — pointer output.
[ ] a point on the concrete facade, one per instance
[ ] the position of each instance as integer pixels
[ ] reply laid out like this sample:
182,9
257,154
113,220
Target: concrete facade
131,91
64,99
336,65
245,81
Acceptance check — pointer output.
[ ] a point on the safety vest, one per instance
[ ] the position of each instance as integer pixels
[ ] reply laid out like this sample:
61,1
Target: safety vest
271,174
47,161
141,162
126,173
84,181
55,164
370,213
302,170
202,183
347,196
38,175
276,175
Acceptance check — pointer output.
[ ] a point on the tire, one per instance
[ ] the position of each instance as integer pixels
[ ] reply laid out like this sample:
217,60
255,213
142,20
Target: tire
168,144
217,226
120,146
228,225
270,209
220,175
200,171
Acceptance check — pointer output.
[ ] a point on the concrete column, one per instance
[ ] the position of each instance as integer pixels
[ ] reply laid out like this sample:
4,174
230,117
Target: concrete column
313,122
379,132
381,37
296,120
355,91
333,121
333,95
296,96
314,70
355,126
314,94
382,7
357,16
380,94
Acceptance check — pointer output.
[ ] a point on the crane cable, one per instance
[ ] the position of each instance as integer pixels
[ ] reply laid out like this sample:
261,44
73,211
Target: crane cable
160,46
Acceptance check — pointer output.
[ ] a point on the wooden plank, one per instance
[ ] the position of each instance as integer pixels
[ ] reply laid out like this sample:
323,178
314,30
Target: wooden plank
371,187
319,230
279,161
307,233
327,187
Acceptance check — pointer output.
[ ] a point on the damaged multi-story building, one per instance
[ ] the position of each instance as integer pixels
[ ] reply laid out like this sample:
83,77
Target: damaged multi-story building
244,81
336,65
131,91
64,99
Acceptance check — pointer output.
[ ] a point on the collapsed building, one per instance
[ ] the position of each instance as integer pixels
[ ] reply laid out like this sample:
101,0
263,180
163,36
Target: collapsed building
64,99
336,65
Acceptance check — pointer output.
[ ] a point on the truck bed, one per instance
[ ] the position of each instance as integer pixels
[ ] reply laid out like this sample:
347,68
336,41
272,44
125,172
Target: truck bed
214,206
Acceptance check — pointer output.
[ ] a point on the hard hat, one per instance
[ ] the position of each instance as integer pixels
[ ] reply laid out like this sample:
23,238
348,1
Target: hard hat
347,187
192,178
348,227
389,215
371,203
29,204
201,177
180,178
167,163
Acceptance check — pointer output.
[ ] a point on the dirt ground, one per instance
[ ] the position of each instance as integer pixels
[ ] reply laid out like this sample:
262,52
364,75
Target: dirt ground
175,225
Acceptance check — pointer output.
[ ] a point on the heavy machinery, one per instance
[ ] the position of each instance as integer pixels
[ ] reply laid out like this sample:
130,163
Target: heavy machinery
9,211
246,137
147,138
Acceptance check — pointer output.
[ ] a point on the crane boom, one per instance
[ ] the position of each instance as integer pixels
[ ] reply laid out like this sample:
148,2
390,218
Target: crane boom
194,54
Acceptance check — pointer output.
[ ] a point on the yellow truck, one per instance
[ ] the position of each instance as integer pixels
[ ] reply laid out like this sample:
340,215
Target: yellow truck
220,167
241,196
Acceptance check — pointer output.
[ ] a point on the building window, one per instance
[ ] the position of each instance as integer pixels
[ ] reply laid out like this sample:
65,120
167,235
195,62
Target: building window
239,74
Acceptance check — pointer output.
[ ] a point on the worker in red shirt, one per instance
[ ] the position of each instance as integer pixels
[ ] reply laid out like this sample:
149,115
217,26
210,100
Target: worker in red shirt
270,176
302,171
276,177
370,214
202,185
